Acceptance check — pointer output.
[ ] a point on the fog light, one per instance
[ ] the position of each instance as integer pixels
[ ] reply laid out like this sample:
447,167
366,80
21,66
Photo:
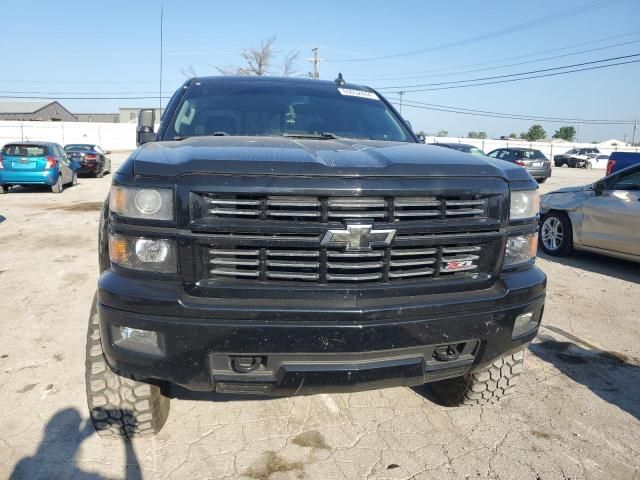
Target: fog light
144,341
524,323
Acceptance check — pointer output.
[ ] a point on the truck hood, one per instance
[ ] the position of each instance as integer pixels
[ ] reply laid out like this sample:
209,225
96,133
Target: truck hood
308,157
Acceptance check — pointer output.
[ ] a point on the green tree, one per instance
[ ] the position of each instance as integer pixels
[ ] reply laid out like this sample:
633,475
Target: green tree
482,135
513,135
442,133
535,133
565,133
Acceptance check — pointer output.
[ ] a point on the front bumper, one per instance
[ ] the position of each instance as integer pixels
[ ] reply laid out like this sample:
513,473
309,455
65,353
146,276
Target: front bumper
48,177
334,348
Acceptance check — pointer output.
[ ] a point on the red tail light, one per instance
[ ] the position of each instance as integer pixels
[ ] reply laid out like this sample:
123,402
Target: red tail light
610,165
520,163
51,162
90,157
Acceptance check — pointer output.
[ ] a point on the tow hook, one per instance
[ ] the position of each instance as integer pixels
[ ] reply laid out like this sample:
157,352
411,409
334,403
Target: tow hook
446,353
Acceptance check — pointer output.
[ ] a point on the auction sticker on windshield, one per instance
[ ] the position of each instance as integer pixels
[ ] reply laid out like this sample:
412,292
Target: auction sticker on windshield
358,93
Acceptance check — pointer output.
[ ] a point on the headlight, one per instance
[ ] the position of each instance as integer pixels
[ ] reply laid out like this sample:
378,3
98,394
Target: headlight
140,253
520,249
525,204
147,203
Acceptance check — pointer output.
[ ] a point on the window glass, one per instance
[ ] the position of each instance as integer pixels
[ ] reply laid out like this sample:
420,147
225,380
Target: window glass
629,182
25,150
271,109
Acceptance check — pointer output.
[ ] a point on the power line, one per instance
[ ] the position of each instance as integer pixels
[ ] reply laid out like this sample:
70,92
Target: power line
563,67
510,116
519,63
597,67
505,31
421,73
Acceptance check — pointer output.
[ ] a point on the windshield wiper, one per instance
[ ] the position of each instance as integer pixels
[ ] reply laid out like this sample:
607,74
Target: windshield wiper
315,136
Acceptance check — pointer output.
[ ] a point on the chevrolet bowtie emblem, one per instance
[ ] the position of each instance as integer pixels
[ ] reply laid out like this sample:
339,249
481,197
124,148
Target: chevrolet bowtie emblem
358,238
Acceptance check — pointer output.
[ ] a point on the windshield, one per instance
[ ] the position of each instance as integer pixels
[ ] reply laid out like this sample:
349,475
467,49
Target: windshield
270,109
78,148
25,150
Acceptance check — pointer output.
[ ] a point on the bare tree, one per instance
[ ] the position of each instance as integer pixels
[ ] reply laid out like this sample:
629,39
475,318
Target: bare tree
189,71
289,64
259,60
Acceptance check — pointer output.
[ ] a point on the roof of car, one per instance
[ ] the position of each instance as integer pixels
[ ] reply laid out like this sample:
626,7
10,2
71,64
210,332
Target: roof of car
30,142
454,144
279,80
519,149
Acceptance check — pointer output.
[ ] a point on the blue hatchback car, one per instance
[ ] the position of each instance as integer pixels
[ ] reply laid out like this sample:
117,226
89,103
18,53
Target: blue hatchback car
36,163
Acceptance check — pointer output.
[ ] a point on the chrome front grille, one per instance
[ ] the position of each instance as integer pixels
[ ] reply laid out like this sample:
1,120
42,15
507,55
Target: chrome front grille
386,264
335,209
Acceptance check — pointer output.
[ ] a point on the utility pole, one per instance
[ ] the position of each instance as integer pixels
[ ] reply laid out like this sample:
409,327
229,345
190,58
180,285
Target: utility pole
635,126
315,61
578,133
401,95
161,44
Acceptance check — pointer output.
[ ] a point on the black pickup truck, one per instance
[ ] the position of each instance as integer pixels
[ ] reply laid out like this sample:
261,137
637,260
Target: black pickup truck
291,236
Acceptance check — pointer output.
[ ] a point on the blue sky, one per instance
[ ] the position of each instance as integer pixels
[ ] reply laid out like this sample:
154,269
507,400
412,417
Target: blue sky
99,48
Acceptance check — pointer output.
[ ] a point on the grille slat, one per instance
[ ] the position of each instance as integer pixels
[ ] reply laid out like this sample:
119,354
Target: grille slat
323,209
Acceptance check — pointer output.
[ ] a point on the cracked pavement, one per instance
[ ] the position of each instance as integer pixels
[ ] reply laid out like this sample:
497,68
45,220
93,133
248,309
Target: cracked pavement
575,414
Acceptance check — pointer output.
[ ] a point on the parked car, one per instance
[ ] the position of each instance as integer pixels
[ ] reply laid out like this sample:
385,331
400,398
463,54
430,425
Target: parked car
462,147
36,163
287,236
600,160
619,160
91,157
603,217
577,158
533,160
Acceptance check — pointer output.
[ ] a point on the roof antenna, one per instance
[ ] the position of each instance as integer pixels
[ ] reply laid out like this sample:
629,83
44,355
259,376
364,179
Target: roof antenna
339,81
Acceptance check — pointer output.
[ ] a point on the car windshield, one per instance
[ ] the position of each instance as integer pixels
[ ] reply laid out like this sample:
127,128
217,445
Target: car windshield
25,150
78,148
271,109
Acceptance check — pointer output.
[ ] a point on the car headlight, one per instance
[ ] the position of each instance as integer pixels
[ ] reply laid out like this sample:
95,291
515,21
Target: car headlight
520,249
146,203
524,204
146,254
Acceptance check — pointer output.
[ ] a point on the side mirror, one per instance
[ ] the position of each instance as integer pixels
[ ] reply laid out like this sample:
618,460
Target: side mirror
599,188
146,122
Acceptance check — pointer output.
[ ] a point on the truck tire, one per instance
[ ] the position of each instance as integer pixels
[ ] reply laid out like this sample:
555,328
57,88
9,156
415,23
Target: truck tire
3,189
556,234
119,406
483,386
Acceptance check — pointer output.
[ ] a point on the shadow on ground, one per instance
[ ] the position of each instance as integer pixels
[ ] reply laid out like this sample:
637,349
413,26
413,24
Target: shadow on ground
609,375
55,457
596,263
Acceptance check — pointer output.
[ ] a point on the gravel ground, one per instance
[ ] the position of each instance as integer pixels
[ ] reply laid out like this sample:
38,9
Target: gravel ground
576,414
